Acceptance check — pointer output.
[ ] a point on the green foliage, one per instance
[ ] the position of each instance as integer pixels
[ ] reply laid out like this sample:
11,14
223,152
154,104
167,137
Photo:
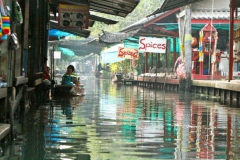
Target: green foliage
114,67
123,66
144,8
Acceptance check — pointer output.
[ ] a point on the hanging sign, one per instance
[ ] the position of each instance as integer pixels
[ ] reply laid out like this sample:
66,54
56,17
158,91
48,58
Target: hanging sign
57,54
128,53
153,45
73,16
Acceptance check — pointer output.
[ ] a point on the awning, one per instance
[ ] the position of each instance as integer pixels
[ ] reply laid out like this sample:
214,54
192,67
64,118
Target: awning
66,51
59,33
108,37
172,4
199,26
110,55
114,7
82,47
147,26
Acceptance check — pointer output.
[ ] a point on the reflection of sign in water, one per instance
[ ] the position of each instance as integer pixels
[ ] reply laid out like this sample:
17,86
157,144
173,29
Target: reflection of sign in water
73,16
154,45
128,53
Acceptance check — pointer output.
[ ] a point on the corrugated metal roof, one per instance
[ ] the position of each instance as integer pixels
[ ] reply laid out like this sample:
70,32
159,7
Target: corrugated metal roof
146,20
114,7
208,14
172,4
141,22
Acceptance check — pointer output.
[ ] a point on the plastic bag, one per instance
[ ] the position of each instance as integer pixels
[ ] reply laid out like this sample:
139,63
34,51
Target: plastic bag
13,42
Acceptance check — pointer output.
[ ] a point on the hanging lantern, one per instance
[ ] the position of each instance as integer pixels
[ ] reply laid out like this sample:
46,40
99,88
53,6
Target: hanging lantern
194,41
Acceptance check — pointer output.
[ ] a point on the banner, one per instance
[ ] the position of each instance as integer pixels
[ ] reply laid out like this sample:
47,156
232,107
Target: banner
153,45
73,16
128,53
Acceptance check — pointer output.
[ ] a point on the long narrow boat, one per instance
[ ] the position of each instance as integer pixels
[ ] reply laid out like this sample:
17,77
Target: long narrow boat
67,90
117,78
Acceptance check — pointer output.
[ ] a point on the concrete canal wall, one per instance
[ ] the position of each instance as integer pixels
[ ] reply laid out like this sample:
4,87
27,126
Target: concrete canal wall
226,92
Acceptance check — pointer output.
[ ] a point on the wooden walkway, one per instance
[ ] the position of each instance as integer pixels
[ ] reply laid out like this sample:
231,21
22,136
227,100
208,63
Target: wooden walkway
226,92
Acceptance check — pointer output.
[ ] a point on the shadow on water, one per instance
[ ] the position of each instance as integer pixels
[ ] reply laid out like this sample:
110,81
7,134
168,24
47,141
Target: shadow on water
114,121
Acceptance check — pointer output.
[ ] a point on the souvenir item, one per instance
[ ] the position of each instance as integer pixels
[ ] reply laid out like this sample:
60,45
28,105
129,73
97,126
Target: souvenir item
13,42
17,17
6,25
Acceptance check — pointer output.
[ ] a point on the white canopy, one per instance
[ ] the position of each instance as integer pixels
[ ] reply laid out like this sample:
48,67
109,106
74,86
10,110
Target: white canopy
110,55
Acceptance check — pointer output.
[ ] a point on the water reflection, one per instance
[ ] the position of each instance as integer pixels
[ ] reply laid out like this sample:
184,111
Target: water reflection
127,122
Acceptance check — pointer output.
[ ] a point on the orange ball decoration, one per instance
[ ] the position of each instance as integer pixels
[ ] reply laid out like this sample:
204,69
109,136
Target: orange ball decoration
194,41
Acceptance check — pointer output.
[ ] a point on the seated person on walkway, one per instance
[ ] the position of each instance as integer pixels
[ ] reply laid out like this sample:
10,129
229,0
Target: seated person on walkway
177,63
70,77
46,73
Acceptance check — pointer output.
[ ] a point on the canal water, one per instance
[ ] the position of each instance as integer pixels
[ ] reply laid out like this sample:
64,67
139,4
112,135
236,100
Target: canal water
115,122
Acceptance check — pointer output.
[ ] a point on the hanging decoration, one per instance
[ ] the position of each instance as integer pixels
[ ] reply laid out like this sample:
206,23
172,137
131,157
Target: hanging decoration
4,24
0,26
214,58
17,17
201,55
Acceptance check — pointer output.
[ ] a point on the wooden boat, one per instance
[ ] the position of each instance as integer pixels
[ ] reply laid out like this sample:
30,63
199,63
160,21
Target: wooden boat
117,78
68,90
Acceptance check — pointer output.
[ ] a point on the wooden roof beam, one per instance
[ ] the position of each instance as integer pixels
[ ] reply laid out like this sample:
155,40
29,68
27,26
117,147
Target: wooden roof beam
162,29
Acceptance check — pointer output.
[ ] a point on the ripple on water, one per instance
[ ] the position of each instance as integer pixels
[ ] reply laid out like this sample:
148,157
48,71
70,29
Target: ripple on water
129,122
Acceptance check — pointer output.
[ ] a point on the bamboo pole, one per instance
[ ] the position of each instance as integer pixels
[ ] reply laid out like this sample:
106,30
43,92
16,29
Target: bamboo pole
232,8
181,36
188,49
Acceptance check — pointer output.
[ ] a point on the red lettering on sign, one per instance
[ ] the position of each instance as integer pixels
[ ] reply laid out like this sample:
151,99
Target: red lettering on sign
145,46
122,53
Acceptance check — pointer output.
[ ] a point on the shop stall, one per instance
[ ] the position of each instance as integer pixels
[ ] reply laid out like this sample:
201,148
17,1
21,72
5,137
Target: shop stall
206,58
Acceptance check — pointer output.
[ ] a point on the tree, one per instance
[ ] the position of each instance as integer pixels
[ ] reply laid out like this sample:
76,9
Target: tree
144,8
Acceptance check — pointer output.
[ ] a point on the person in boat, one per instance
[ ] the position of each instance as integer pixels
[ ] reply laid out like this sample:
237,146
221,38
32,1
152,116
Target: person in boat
70,77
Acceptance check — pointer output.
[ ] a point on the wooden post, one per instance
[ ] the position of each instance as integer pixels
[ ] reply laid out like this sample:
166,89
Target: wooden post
174,51
188,49
151,60
146,63
13,95
181,36
158,60
167,51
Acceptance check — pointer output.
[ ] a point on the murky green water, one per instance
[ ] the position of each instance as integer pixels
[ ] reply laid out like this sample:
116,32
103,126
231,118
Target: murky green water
127,122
